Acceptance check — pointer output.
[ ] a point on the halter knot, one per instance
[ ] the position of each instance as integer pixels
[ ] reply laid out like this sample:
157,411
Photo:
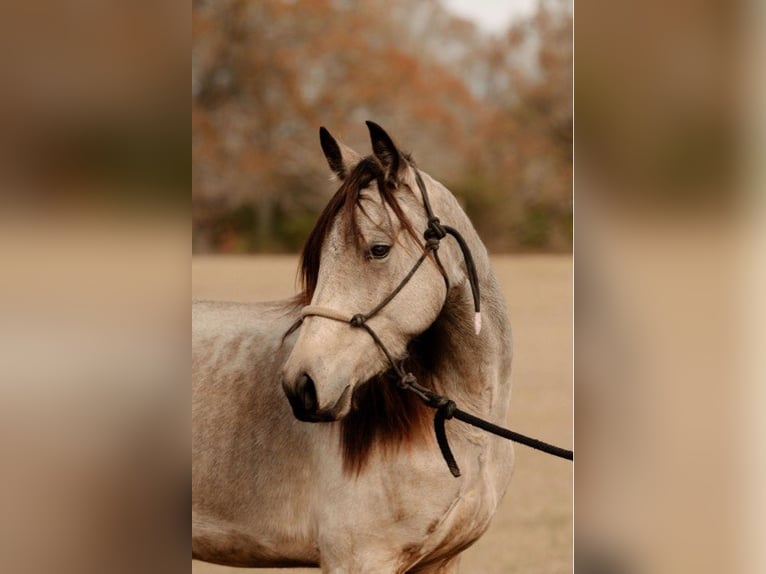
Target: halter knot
447,408
435,229
357,320
407,380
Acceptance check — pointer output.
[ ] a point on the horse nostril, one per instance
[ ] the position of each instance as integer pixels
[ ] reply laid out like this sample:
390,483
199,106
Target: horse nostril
307,393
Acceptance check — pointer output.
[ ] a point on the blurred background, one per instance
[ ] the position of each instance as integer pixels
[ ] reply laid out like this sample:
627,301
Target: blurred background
480,93
95,174
669,235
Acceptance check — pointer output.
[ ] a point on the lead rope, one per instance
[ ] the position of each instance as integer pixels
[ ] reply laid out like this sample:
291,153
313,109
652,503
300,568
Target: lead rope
445,408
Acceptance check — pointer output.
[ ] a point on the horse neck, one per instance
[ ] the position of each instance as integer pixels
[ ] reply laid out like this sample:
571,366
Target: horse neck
471,369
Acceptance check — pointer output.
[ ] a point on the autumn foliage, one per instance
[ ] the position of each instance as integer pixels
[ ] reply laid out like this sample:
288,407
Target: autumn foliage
488,115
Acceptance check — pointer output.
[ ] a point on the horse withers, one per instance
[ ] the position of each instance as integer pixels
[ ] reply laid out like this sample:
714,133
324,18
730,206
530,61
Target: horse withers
305,450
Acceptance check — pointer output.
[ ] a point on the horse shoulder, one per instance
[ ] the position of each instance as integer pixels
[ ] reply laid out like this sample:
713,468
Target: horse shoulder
244,437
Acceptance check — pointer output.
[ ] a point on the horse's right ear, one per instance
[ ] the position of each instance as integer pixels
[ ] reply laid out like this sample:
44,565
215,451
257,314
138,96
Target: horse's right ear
340,158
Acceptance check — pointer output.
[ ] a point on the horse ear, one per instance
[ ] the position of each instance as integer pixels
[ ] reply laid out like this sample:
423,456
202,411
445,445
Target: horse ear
340,158
384,150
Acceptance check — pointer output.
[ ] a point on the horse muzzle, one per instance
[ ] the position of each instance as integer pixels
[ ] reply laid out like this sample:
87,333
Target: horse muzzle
302,396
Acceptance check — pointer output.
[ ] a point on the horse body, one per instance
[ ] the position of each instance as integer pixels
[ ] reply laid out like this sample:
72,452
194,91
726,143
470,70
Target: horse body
270,490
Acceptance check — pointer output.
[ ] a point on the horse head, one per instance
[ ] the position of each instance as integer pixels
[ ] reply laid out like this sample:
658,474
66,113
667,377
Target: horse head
359,253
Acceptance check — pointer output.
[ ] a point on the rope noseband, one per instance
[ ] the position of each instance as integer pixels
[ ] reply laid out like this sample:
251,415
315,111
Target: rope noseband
445,408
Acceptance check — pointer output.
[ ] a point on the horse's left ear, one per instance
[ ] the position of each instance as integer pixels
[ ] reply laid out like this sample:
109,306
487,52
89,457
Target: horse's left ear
385,151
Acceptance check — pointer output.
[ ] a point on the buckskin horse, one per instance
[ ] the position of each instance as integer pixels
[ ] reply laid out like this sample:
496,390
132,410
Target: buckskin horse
306,450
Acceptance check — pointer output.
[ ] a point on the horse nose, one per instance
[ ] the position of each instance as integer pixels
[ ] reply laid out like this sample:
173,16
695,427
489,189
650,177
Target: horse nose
306,392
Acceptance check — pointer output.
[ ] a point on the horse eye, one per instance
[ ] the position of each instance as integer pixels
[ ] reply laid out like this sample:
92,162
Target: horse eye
379,250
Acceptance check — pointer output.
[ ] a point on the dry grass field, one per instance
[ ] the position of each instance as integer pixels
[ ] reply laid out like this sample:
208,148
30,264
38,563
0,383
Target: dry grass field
532,531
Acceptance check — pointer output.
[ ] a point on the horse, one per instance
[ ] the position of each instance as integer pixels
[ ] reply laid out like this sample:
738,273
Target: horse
305,452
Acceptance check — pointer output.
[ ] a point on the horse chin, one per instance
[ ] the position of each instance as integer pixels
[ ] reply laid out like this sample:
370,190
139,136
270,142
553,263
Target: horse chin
313,418
339,410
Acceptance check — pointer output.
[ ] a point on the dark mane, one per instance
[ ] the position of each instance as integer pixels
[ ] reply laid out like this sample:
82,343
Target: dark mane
386,417
343,204
383,416
389,419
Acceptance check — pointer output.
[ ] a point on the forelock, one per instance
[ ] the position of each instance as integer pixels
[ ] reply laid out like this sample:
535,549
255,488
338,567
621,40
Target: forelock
343,204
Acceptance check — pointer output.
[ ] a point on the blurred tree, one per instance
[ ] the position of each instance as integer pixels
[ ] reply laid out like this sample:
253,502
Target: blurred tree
491,117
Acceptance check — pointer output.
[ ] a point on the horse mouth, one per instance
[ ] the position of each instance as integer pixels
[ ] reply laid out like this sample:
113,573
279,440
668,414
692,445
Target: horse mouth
334,413
312,418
